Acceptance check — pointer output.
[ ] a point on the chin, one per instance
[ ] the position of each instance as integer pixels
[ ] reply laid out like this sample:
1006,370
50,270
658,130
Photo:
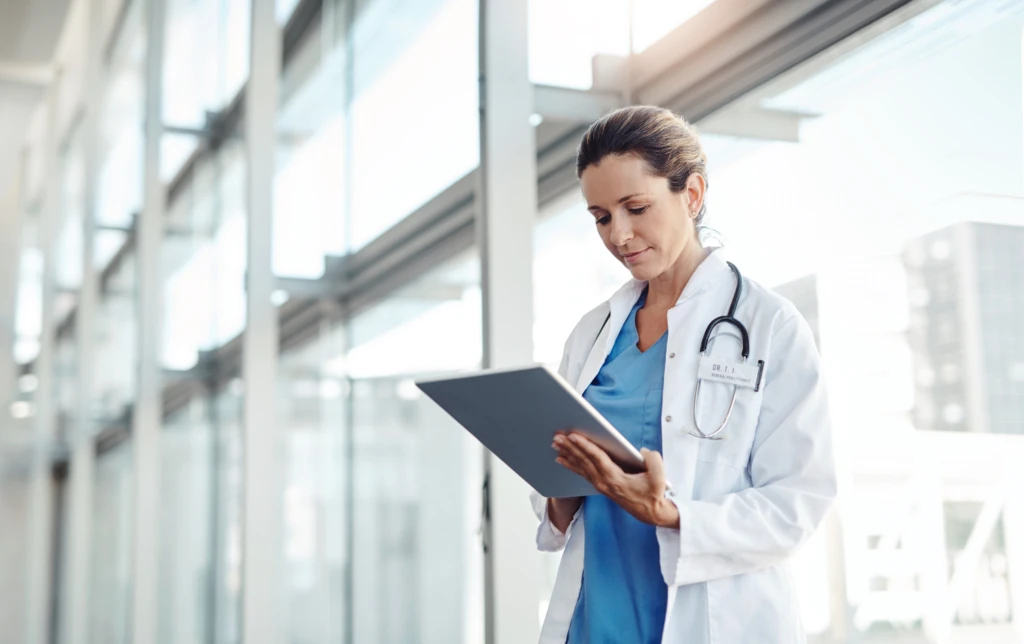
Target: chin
643,272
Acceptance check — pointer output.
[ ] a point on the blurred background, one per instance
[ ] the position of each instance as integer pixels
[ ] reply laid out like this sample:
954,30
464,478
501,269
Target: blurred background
235,231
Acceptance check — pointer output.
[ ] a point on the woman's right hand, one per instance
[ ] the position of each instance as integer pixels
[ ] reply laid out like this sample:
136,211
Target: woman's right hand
561,511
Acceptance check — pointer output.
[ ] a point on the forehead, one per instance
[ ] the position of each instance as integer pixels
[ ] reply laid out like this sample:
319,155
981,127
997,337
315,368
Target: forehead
616,177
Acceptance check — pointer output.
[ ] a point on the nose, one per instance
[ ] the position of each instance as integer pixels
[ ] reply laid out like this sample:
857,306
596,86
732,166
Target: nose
620,231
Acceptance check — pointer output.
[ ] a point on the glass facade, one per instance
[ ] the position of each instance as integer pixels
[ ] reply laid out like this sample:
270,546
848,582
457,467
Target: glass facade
878,184
110,567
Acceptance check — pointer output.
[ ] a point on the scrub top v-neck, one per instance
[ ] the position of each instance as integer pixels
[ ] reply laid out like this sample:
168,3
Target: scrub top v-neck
623,596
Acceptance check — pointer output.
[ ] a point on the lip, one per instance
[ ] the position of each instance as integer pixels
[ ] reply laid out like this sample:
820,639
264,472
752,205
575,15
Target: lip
632,258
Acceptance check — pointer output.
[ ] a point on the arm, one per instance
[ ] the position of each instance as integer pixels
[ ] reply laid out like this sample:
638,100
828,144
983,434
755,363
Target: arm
792,472
561,512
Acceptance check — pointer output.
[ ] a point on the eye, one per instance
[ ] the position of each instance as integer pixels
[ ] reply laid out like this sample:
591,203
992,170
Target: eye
637,211
604,220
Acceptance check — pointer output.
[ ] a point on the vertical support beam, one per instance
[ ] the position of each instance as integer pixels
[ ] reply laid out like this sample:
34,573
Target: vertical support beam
147,413
81,439
929,544
1013,537
41,506
348,415
839,603
966,254
262,618
506,210
11,213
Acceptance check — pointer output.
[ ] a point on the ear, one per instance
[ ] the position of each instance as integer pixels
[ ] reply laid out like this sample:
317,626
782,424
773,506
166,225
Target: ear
693,193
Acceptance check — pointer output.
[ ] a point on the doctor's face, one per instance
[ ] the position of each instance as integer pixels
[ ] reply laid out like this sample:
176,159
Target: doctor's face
642,223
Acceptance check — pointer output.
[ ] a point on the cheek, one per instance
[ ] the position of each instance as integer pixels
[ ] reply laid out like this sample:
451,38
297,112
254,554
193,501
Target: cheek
670,231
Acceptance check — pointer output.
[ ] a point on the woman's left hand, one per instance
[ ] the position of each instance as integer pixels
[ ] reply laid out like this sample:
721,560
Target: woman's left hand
642,495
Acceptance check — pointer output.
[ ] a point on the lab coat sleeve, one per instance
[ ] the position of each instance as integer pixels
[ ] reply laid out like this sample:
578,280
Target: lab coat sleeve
792,474
550,538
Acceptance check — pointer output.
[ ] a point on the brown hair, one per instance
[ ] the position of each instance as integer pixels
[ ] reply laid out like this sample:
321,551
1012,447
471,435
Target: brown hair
668,144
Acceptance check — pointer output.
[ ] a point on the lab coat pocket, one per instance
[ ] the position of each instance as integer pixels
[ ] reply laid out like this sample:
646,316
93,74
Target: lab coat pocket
737,438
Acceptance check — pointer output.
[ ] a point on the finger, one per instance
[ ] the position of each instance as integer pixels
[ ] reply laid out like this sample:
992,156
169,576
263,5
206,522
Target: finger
604,478
576,466
564,447
559,441
568,452
596,455
582,459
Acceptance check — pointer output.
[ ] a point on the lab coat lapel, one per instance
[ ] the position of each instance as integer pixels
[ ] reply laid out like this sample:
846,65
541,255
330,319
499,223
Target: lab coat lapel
619,307
679,446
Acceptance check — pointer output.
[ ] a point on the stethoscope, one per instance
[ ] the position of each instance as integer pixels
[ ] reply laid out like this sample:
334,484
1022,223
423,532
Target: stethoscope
729,318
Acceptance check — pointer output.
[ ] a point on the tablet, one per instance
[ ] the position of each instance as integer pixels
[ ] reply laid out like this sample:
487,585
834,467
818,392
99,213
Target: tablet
516,413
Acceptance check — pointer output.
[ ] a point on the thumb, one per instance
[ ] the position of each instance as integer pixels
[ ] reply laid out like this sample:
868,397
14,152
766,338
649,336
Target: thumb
655,465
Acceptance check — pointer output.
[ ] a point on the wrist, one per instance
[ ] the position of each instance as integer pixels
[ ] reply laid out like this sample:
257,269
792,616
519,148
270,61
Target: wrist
666,514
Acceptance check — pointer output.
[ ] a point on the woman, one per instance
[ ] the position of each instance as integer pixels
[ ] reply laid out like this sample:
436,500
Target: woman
693,550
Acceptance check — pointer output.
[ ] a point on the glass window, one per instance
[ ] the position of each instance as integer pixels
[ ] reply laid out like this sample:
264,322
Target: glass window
397,335
565,35
310,186
415,125
285,8
205,260
28,308
111,564
654,19
200,565
572,273
419,568
206,61
15,516
68,243
314,403
116,343
380,545
118,199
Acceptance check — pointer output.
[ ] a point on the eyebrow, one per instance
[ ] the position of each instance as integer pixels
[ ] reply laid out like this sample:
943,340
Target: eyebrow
622,200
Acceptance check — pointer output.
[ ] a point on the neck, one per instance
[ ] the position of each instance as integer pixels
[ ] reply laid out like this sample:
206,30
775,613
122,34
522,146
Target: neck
664,290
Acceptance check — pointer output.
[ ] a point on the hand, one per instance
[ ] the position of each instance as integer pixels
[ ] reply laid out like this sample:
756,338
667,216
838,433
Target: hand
642,495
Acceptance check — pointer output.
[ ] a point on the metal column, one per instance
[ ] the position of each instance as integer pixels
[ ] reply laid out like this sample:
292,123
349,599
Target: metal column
81,439
262,618
147,413
1013,527
40,529
11,214
506,210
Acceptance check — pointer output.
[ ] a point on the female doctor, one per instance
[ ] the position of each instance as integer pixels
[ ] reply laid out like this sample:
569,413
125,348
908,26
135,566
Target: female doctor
694,549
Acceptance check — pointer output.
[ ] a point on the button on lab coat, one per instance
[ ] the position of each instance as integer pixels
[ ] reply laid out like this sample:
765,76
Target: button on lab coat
747,502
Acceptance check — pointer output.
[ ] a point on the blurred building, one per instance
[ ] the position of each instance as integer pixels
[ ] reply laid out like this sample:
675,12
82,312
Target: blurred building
967,290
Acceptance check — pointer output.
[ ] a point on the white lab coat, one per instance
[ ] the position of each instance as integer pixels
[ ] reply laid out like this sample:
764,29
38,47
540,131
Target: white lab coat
747,502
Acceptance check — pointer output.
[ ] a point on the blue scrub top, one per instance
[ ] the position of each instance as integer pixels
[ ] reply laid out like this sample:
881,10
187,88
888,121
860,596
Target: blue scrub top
623,597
